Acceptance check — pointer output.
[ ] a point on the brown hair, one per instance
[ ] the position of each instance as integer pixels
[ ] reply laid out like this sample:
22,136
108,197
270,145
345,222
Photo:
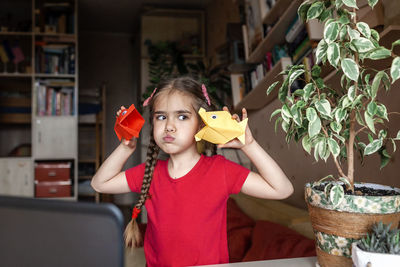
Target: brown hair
192,88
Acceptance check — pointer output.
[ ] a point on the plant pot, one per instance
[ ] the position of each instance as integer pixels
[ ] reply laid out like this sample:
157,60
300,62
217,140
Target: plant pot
336,228
362,258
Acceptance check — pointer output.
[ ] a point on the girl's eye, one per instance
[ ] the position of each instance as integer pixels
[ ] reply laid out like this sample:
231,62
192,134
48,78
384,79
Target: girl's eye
214,116
182,117
160,117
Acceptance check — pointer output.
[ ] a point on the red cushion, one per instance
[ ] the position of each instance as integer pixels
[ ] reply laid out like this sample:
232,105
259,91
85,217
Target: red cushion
274,241
239,229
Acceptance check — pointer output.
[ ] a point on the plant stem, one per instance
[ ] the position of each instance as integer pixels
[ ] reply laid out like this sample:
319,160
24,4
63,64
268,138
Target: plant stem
334,158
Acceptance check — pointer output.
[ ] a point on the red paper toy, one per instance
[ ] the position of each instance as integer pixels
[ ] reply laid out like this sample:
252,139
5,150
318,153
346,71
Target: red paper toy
129,123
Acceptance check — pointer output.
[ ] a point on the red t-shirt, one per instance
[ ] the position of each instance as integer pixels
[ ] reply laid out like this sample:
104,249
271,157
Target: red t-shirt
187,216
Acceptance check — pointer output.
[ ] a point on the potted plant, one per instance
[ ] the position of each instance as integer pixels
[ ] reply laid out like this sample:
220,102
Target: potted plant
337,123
381,247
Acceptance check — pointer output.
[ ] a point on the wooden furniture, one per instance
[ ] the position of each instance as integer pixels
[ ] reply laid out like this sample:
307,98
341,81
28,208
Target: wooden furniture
39,89
91,151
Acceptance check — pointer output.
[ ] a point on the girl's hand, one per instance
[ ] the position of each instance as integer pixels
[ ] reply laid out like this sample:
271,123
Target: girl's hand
129,143
235,143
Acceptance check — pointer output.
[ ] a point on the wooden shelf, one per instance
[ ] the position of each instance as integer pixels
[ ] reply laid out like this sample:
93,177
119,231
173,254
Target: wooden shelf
276,11
257,98
49,75
276,35
17,118
12,75
17,33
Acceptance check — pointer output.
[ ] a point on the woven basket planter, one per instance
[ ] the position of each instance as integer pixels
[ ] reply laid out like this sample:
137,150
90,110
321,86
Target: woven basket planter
336,228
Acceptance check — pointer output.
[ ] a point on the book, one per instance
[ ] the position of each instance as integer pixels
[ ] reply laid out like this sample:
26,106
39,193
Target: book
238,88
253,22
294,29
315,30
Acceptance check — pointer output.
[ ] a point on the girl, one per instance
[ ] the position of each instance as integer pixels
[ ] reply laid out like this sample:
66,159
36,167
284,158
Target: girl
186,195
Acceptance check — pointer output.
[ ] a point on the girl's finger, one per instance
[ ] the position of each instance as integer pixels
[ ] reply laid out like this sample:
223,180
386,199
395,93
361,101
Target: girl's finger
244,113
236,117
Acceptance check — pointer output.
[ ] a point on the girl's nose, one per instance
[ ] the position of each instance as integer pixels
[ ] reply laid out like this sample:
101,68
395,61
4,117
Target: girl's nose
169,127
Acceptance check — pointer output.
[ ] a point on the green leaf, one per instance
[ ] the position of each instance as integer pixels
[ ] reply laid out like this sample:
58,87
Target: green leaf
340,114
395,69
359,118
395,43
350,3
294,75
362,44
372,108
369,121
320,53
315,10
306,144
302,10
331,32
338,3
336,127
314,127
350,68
373,147
382,112
345,181
285,126
352,33
333,53
311,114
323,107
379,53
276,112
336,195
364,29
375,83
351,93
283,91
315,71
375,35
272,87
278,120
297,118
333,147
308,90
343,33
372,3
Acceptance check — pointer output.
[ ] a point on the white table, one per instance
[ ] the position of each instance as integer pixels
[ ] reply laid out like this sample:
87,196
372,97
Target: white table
293,262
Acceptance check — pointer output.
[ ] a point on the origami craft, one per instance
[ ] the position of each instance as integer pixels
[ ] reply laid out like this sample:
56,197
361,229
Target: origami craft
129,123
220,127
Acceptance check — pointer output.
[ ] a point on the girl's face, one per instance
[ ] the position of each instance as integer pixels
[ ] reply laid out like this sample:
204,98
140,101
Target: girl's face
175,122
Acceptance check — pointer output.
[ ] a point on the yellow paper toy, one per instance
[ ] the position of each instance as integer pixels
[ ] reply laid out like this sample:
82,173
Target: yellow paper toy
220,127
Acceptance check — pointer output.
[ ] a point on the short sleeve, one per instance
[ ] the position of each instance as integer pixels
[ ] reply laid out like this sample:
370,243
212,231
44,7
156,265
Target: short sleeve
235,176
134,177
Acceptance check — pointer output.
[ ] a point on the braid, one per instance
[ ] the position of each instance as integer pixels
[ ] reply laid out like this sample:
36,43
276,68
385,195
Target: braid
132,234
151,160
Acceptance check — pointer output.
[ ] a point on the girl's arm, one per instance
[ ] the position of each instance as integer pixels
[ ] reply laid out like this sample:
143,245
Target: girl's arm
271,182
109,178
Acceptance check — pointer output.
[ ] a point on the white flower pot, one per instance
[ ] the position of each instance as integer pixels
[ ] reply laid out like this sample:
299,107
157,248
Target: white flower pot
361,258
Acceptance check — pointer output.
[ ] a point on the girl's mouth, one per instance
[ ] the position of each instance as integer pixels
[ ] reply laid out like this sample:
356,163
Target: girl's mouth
168,138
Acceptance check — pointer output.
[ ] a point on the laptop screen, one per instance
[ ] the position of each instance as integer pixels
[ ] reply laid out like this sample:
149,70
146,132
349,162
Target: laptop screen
38,232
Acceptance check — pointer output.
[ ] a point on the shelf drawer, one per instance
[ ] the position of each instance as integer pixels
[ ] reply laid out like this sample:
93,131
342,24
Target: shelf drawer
53,171
53,189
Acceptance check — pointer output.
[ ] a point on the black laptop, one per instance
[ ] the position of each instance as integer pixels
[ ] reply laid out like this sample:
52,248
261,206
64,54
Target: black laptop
39,232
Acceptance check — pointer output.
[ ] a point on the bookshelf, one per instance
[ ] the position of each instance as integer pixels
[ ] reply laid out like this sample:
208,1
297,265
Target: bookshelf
276,35
39,93
257,97
91,151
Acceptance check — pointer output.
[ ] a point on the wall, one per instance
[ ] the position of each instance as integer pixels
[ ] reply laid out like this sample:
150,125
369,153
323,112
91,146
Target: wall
111,58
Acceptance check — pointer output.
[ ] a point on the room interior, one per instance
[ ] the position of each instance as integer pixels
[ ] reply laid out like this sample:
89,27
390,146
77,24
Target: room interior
110,59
